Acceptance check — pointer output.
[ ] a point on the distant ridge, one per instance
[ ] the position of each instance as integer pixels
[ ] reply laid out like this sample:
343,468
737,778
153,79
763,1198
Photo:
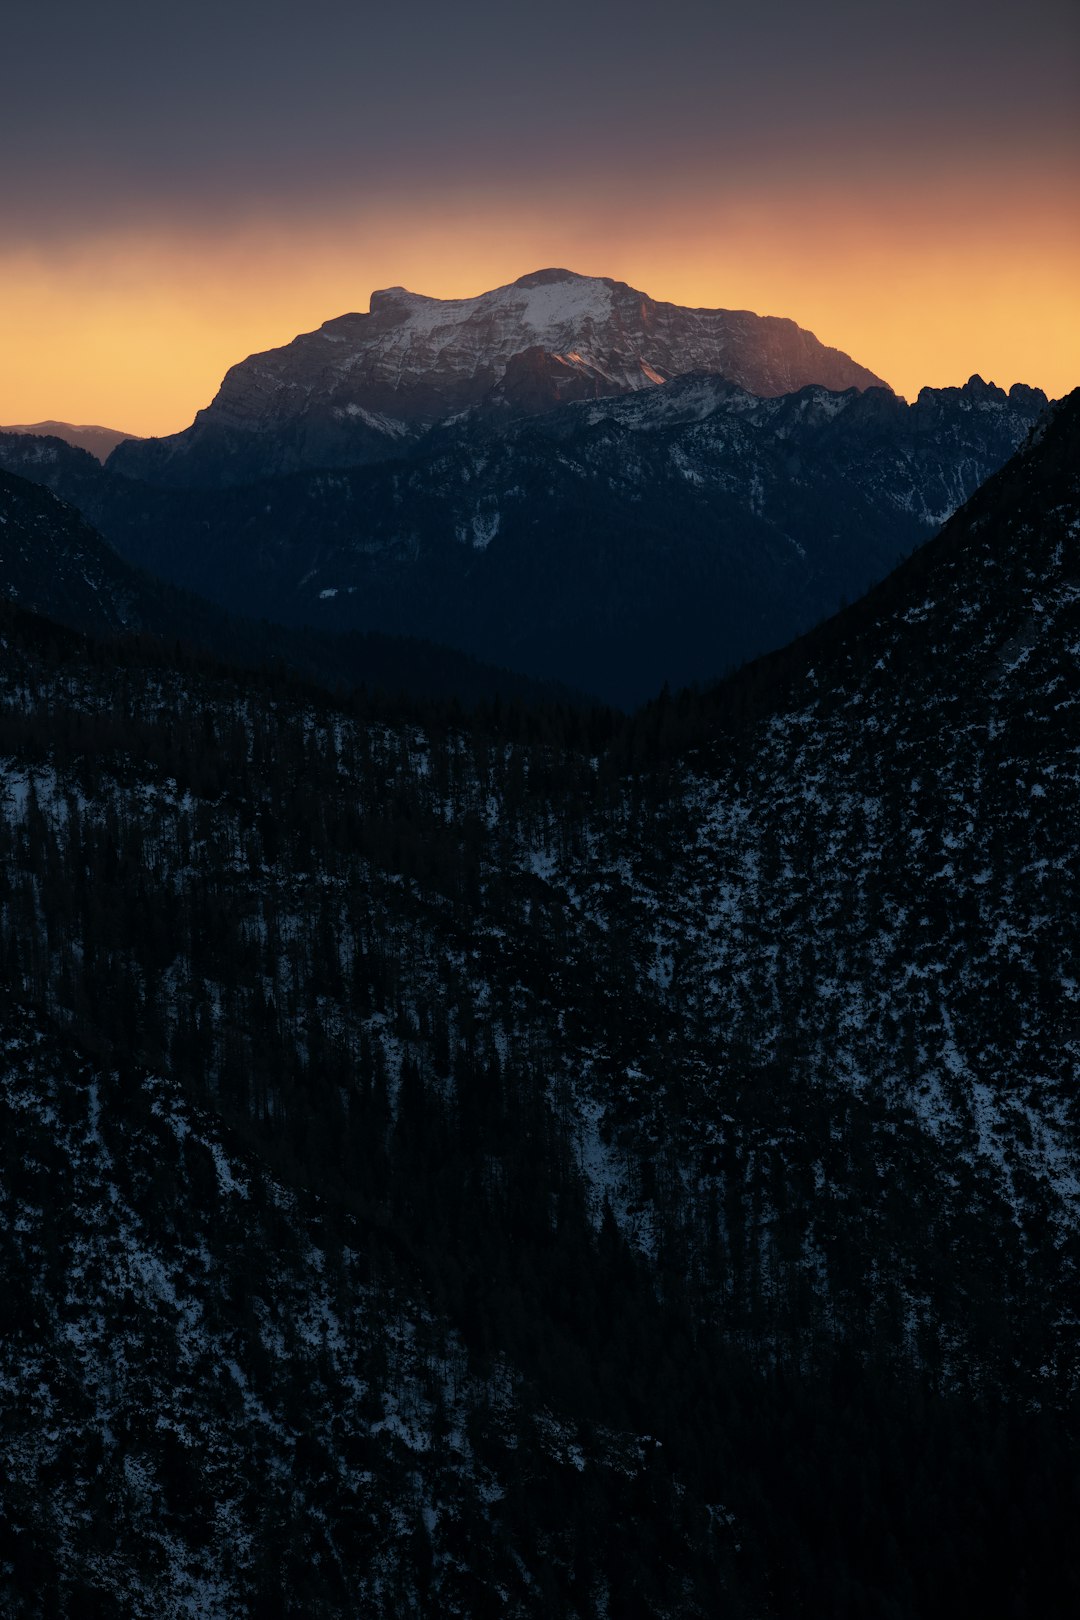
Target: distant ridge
100,441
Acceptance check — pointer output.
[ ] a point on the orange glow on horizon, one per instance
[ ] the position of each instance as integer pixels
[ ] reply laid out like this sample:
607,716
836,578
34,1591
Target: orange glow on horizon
135,331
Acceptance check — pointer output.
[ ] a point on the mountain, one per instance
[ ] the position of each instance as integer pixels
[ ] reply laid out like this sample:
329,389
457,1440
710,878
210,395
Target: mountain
549,1165
366,387
613,544
99,441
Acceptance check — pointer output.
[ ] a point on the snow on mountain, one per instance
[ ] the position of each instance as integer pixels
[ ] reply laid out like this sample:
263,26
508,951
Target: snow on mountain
358,387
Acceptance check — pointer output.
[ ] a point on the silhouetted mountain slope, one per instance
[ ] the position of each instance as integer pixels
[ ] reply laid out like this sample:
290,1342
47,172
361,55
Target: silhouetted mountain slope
614,545
367,387
52,561
592,1169
99,441
70,472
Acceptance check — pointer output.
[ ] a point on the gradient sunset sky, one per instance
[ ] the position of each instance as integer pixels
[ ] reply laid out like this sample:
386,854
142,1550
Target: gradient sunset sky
184,185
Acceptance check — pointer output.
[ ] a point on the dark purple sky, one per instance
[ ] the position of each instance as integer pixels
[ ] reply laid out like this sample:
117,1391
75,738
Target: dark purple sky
117,107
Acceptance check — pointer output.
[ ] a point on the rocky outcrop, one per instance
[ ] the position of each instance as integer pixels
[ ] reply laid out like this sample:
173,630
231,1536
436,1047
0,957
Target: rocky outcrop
364,388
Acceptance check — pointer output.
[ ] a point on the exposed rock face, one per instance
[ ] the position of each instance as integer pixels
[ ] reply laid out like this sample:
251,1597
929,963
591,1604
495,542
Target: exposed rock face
364,387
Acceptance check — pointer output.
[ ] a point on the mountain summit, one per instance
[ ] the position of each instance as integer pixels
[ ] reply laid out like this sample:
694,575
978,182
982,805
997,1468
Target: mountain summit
363,387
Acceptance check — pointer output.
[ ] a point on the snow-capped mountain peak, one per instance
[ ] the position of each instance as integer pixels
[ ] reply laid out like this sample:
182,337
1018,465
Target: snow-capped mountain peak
352,390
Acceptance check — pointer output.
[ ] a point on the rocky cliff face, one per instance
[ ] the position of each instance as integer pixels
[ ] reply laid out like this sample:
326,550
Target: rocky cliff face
363,387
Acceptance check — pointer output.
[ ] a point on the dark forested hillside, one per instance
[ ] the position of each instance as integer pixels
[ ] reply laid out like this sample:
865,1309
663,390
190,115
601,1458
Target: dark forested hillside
53,561
545,1165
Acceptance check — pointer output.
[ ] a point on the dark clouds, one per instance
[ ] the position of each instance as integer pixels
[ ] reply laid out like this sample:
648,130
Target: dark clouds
115,111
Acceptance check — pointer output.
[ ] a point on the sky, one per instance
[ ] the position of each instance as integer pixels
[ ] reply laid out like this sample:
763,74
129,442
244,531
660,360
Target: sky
182,186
